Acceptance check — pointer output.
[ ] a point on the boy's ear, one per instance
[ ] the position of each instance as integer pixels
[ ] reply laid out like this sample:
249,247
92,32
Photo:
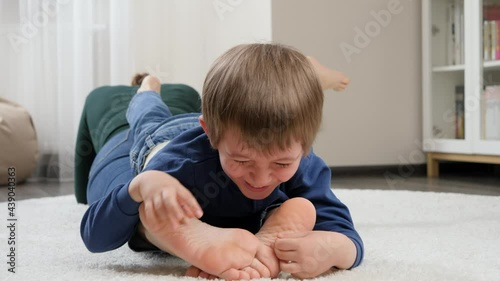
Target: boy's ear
204,126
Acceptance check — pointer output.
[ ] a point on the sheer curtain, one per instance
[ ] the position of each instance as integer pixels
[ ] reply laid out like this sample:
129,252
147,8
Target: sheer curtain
54,52
48,51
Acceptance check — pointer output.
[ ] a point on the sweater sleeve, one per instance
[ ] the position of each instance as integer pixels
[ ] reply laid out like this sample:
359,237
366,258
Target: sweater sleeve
313,182
110,222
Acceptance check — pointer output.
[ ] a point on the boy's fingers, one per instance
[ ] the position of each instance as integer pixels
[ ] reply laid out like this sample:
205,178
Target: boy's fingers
160,207
148,216
286,244
175,209
286,255
188,211
289,267
186,208
191,203
167,211
174,222
149,211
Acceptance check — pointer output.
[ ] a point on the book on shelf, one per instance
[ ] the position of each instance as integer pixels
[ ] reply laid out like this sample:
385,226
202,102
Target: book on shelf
486,41
490,113
491,40
491,32
491,12
496,25
455,32
459,112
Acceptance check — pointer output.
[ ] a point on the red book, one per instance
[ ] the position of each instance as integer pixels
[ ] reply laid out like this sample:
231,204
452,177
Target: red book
491,12
497,45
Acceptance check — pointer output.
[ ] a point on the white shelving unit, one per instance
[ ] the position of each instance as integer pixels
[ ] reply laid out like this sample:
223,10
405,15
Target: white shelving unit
453,67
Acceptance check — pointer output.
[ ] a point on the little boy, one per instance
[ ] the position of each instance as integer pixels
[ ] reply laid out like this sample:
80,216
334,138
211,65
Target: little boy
236,192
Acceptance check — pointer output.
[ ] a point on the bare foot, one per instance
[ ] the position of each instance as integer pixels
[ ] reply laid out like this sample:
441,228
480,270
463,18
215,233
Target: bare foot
294,215
339,81
150,83
329,78
255,270
227,253
193,271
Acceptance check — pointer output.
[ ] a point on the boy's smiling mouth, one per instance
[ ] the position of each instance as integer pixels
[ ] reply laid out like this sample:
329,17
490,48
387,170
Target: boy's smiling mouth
256,189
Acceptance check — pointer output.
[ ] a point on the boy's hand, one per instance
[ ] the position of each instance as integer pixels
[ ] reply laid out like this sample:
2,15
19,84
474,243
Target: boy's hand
309,254
164,199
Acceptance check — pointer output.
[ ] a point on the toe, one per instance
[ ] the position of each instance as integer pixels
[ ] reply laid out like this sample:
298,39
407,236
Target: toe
254,274
234,274
193,271
203,274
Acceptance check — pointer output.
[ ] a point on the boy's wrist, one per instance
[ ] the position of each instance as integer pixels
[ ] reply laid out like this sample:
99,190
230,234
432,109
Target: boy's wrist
126,203
134,189
346,250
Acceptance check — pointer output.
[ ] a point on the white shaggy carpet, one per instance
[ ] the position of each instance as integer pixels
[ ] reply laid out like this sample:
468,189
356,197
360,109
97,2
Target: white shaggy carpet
408,236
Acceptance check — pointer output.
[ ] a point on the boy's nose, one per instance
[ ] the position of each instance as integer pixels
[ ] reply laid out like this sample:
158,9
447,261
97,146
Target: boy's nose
261,178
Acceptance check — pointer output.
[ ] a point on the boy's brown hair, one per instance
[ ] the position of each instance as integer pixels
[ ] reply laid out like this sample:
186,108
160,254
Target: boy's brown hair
269,92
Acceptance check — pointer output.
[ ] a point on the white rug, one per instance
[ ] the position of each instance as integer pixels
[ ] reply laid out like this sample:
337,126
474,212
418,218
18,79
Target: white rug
408,236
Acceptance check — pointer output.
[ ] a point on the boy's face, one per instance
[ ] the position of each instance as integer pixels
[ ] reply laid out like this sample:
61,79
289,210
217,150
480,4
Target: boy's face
255,173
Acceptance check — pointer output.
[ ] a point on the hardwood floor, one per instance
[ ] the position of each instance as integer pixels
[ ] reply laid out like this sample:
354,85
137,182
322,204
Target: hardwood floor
40,189
482,184
452,184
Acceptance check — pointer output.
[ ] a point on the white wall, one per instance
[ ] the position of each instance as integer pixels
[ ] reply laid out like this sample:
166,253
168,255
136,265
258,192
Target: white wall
377,120
181,39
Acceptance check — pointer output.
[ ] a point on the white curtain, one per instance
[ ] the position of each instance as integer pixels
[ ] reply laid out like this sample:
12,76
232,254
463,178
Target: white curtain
49,65
54,52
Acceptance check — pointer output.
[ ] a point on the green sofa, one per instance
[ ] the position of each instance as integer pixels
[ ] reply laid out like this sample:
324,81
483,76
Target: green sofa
103,117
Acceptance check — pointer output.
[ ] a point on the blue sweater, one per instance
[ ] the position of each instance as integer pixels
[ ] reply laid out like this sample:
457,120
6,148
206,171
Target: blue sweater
110,222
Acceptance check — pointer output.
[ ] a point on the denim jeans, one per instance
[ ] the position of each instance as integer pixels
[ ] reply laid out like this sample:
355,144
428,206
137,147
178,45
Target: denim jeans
111,167
151,123
122,157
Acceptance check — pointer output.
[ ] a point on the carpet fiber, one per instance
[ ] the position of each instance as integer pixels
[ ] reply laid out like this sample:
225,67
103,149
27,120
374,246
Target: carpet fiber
408,236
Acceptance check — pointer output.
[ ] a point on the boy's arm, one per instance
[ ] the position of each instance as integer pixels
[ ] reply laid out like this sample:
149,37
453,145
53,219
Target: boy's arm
334,230
110,222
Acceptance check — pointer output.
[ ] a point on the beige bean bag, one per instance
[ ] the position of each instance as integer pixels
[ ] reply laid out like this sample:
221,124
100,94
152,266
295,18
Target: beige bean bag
18,142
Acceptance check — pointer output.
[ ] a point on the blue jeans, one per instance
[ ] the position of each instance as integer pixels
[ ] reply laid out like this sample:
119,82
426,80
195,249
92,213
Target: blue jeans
151,123
122,157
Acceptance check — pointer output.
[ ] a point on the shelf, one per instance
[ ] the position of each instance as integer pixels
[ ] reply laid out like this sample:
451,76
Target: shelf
448,68
453,31
433,159
491,64
494,64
